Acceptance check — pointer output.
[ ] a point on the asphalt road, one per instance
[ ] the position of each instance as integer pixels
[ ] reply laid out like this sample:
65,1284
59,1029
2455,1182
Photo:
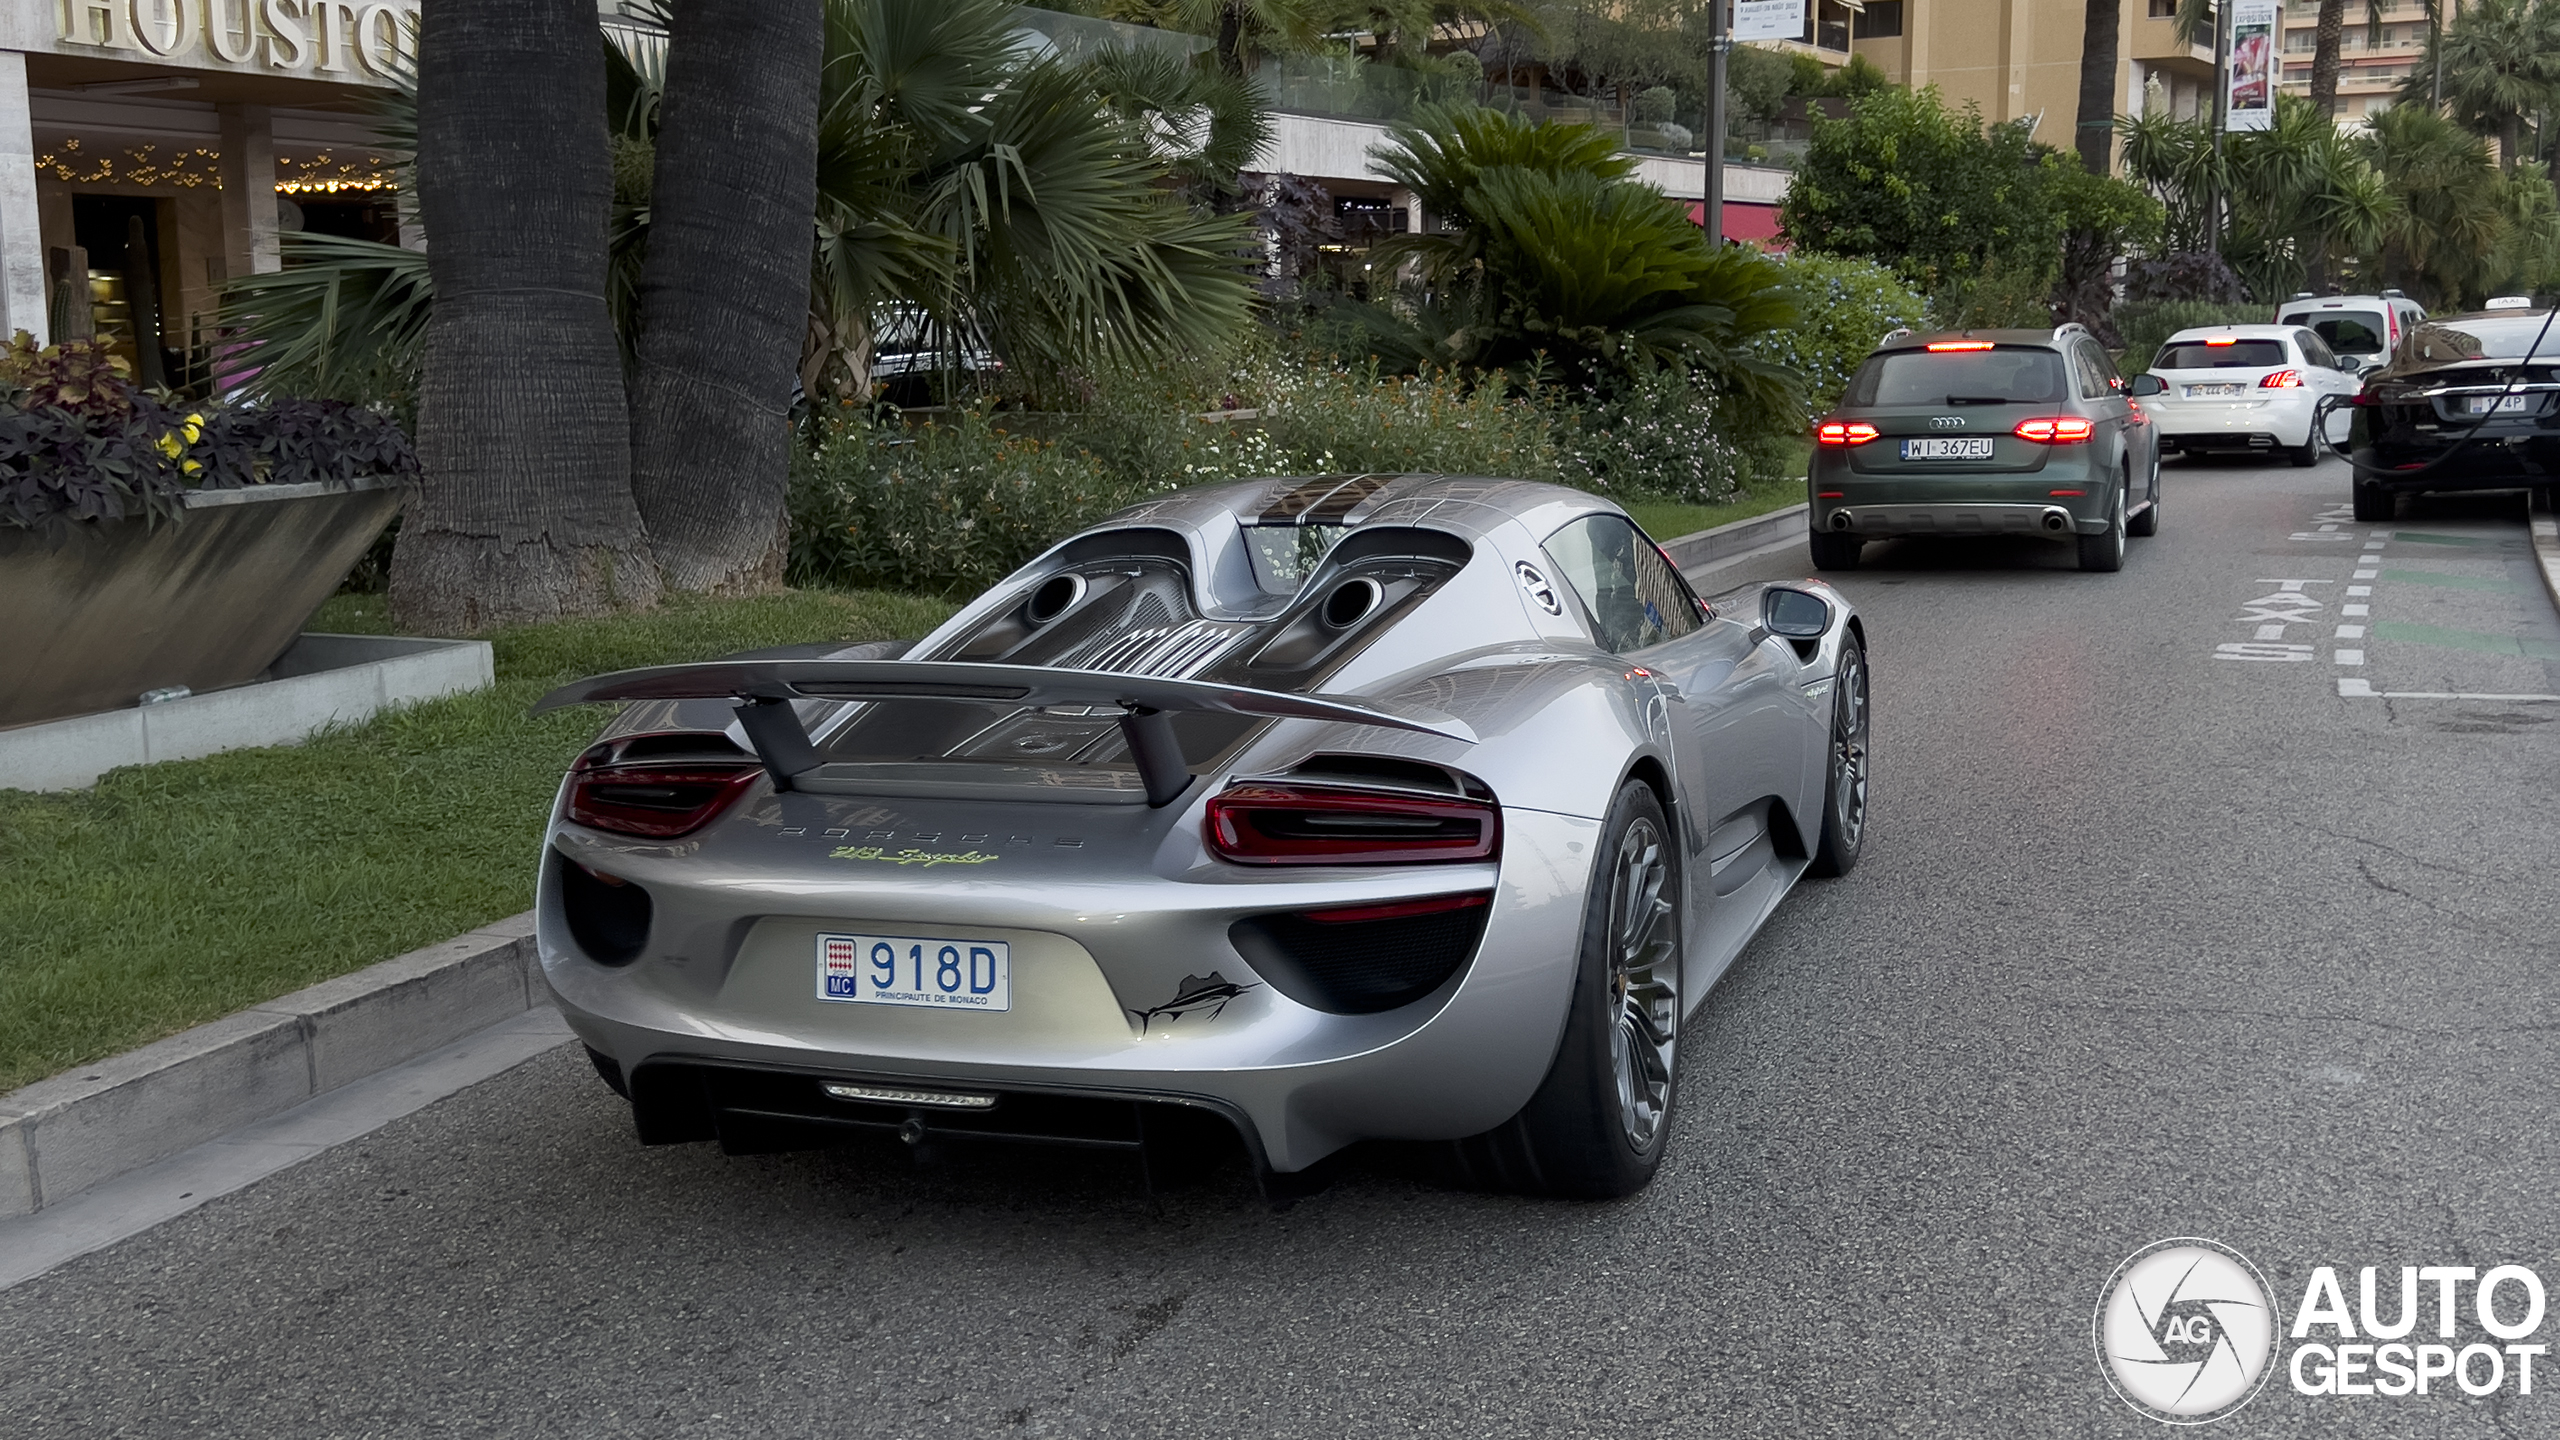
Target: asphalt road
2150,940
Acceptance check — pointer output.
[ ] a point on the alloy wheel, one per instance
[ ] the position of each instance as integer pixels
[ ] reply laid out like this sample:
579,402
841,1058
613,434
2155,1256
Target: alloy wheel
1849,747
1644,983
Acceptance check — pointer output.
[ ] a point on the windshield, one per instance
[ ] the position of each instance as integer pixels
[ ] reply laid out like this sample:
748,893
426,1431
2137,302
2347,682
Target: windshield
2008,375
1285,555
2229,355
2349,332
2502,337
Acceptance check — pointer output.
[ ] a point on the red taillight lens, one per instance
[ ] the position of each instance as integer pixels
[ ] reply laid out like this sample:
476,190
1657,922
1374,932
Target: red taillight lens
2055,430
655,798
1320,825
2282,380
1844,432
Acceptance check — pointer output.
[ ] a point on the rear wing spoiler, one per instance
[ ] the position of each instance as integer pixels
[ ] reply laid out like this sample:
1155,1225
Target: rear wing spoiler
764,690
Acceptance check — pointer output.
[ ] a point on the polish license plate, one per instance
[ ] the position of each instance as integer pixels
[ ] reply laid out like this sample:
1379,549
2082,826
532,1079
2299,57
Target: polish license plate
2497,404
2216,392
931,971
1966,447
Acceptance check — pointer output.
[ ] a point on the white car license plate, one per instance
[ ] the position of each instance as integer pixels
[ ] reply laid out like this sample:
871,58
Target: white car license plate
927,970
1968,447
2216,392
2498,404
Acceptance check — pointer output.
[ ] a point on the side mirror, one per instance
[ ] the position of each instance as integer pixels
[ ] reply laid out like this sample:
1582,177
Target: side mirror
2147,383
1794,614
2350,365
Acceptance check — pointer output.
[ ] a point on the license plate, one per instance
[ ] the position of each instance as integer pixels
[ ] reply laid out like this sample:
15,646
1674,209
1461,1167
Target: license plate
2216,392
2497,404
935,972
1969,447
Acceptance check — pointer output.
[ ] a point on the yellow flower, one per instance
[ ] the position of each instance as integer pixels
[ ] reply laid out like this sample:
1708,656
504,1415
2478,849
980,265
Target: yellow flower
170,447
191,467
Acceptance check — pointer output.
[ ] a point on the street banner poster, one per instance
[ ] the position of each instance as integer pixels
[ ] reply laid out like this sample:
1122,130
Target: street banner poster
1768,19
2252,97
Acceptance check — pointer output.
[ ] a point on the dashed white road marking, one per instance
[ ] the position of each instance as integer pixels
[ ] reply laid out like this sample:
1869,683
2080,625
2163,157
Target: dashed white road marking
2350,657
2350,632
2352,688
2361,589
2271,632
2354,609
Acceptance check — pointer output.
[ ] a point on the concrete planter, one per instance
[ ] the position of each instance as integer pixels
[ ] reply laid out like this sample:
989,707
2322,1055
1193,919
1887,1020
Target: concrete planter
117,608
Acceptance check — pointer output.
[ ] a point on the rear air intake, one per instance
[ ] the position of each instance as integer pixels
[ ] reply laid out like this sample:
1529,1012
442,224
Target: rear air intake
1363,959
608,916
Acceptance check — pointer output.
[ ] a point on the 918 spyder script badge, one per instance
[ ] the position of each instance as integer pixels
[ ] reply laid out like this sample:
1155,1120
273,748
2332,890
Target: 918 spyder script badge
926,858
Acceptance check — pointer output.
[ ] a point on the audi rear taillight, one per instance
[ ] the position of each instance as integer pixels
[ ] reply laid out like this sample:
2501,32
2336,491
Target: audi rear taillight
1844,432
646,785
1273,824
2055,430
2282,380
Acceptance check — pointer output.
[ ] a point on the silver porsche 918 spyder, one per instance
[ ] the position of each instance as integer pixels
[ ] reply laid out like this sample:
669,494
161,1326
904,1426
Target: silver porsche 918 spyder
1338,808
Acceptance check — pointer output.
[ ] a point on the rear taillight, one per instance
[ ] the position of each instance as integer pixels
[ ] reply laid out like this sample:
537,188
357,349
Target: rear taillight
1320,825
2055,430
2282,380
1844,432
657,797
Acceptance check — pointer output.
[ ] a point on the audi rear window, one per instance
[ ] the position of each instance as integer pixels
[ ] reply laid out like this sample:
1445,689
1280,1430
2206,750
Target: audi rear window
2020,375
2232,355
2349,332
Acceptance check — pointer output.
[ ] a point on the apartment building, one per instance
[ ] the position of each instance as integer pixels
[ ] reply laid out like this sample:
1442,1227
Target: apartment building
2020,59
2367,73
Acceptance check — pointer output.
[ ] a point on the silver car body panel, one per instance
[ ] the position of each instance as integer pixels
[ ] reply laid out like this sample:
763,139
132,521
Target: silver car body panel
1113,908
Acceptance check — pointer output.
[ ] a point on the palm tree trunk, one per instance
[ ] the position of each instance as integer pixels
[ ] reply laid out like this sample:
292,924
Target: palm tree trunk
724,290
1230,48
2326,43
2096,133
524,509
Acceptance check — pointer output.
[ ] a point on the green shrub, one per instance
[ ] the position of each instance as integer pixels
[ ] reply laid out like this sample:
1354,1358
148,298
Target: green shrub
944,509
1656,436
1849,305
2146,323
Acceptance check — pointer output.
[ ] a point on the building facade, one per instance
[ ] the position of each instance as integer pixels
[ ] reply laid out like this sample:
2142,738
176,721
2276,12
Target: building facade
150,149
2020,59
2367,73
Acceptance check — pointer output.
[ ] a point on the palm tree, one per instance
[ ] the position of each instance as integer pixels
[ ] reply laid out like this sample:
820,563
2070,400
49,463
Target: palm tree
2095,137
2439,242
524,508
2499,63
1556,255
724,289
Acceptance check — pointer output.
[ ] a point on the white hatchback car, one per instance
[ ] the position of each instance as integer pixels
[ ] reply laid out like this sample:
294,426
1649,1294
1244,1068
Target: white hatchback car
2246,388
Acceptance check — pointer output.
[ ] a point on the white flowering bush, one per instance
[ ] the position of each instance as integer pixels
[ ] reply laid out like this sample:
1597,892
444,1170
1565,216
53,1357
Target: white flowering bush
1848,305
1657,437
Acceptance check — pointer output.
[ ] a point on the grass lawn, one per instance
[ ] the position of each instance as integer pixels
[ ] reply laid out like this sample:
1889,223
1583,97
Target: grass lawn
175,893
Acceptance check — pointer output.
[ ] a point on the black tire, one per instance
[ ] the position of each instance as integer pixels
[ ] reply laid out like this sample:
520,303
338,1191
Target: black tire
2306,454
1835,552
1600,1121
2373,503
2146,524
1844,790
2104,551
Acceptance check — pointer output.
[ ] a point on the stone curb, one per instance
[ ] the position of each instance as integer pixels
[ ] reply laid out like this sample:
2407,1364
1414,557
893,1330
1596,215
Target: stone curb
2546,552
1705,547
63,1135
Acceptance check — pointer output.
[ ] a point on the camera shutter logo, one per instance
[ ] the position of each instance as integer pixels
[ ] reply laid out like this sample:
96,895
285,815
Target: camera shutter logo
2186,1331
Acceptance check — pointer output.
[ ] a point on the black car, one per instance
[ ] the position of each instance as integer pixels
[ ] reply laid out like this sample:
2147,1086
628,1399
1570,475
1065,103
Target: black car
2467,403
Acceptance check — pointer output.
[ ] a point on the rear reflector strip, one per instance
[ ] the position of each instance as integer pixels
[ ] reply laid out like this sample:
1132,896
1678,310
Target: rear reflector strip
892,1095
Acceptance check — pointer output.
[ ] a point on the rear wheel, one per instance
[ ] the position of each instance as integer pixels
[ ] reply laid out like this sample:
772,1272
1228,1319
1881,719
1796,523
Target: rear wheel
1844,795
1598,1125
2373,503
1835,552
2307,454
2104,551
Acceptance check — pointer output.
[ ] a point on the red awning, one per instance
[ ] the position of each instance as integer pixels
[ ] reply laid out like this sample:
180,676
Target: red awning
1757,224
